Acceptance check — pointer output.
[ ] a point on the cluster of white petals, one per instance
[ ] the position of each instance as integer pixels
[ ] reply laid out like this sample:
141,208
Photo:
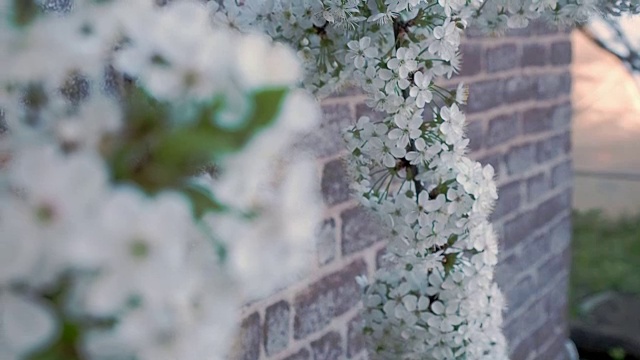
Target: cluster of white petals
92,255
437,298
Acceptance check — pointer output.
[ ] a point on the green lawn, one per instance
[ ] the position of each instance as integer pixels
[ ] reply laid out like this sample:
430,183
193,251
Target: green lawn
606,255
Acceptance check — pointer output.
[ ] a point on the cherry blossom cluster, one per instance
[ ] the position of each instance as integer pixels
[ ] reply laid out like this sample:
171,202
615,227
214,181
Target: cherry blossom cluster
437,298
144,195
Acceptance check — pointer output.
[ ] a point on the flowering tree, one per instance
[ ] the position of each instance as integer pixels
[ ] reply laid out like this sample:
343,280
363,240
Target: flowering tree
118,245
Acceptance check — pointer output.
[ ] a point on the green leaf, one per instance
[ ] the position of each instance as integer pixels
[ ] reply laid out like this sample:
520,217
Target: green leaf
202,200
617,353
450,261
146,120
156,153
64,348
267,105
143,113
195,144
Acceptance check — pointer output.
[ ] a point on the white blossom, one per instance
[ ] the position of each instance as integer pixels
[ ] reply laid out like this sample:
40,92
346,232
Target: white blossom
360,51
404,62
27,325
421,91
407,129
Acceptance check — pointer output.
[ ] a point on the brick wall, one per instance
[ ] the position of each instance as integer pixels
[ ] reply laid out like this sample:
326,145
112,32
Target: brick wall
519,115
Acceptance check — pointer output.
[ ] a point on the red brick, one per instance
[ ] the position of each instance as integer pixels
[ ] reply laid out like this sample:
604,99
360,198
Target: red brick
536,249
520,293
518,229
537,186
520,88
361,229
521,326
556,265
502,57
520,158
326,242
523,349
276,327
509,199
364,110
561,53
303,354
485,95
502,128
552,207
327,139
536,120
557,117
551,86
554,351
553,147
327,298
534,55
249,339
560,234
508,269
562,174
471,58
475,134
328,347
335,182
355,338
561,116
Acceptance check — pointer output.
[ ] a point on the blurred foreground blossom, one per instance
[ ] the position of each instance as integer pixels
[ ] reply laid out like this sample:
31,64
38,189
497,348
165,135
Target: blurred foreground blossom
138,212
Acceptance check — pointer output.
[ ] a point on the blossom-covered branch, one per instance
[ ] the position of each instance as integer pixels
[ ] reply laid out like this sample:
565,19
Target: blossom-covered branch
437,299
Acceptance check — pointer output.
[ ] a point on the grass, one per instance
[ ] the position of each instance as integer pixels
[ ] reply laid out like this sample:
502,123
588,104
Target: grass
606,255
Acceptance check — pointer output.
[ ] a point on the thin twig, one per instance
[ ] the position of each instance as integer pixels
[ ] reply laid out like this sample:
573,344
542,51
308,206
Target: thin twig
482,6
